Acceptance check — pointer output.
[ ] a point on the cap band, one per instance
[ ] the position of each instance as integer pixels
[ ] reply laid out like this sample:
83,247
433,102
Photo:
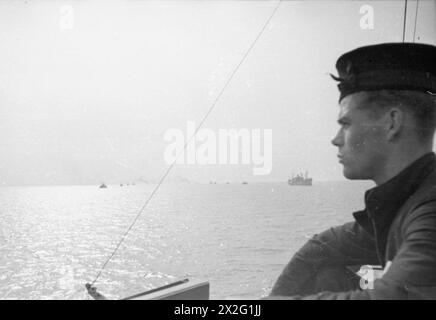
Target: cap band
388,80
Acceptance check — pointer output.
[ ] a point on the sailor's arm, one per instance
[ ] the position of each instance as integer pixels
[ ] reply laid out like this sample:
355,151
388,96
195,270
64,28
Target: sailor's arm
412,273
333,250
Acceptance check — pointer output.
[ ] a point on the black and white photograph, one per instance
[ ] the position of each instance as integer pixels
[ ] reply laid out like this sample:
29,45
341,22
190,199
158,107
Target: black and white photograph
228,150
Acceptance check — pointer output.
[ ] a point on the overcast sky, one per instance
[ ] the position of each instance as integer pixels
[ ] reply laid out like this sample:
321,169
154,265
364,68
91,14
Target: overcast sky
89,88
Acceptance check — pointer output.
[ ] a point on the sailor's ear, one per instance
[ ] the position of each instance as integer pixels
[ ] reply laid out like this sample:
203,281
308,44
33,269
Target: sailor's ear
394,122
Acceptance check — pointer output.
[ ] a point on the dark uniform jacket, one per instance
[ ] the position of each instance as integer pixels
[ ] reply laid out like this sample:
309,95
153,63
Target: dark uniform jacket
397,225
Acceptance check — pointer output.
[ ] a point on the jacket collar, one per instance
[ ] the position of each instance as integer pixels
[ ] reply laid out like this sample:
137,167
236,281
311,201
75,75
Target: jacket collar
383,202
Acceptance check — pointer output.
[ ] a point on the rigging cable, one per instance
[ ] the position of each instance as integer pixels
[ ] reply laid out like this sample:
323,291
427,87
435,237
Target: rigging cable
416,20
405,14
186,144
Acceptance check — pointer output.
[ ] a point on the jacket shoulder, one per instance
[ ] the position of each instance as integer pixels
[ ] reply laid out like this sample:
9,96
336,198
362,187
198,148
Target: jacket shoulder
426,192
422,201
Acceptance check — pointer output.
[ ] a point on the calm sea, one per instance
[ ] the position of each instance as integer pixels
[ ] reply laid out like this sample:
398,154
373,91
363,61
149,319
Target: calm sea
238,237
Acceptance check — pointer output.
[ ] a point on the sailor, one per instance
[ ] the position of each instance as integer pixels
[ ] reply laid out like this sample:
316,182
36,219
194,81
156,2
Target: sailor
387,108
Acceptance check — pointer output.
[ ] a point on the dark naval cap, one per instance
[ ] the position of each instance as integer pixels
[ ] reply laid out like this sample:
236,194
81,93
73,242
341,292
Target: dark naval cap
390,66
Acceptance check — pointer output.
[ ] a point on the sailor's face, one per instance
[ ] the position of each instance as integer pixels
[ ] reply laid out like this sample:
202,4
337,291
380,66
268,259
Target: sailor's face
360,140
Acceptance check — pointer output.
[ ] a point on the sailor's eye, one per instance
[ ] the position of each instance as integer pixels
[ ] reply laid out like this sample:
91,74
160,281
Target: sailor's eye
345,124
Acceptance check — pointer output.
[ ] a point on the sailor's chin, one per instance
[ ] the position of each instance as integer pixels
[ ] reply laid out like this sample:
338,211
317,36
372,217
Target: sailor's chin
350,174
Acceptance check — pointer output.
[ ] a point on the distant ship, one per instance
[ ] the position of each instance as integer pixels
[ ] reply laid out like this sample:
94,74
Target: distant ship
103,186
300,180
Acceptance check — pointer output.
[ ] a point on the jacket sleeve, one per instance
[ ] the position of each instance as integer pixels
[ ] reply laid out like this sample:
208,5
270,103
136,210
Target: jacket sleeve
333,249
412,274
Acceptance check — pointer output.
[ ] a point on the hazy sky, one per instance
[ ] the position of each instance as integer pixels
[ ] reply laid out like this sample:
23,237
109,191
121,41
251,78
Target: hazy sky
88,91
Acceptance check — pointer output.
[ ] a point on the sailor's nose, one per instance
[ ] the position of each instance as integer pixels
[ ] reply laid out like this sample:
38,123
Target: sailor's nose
336,141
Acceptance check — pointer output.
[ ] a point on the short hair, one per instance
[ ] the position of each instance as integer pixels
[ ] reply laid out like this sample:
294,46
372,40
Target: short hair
421,105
